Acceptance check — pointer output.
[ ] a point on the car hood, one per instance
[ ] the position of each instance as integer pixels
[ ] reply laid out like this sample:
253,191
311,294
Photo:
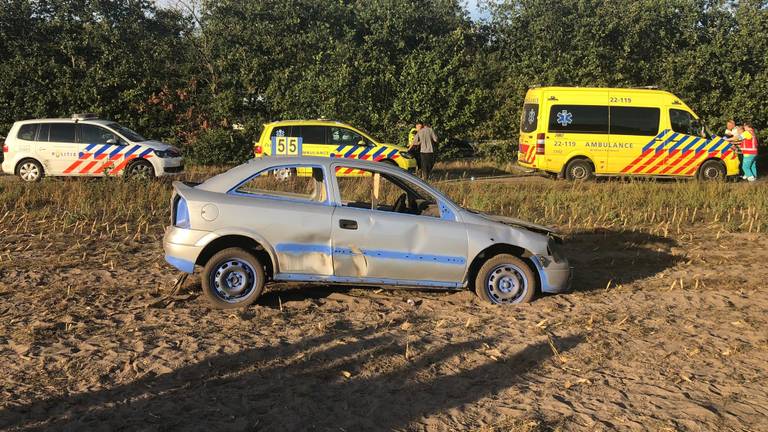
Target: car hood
394,146
157,145
541,229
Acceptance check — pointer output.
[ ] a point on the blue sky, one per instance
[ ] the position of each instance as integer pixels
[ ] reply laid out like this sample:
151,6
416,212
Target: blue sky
474,11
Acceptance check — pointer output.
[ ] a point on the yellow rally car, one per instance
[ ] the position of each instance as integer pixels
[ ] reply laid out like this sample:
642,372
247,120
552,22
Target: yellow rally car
327,138
577,133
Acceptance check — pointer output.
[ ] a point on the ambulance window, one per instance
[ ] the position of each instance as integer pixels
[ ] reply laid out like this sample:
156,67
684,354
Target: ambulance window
310,134
286,131
579,119
343,136
683,122
27,132
62,132
635,121
530,118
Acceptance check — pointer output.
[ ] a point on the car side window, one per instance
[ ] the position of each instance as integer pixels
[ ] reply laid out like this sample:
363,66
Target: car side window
42,132
684,122
287,182
342,136
368,189
90,134
62,132
27,132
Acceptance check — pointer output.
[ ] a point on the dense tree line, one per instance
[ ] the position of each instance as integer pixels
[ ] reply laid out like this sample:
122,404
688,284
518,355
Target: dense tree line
188,72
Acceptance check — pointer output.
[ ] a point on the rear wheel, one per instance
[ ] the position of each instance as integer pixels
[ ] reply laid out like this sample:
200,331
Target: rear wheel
233,278
505,279
712,170
30,170
579,169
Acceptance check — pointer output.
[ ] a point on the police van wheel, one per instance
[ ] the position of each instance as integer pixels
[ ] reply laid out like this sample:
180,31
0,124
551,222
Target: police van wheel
30,170
233,278
504,280
140,169
712,170
579,169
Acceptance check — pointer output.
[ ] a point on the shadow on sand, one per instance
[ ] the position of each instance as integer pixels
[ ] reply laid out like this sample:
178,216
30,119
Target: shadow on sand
298,386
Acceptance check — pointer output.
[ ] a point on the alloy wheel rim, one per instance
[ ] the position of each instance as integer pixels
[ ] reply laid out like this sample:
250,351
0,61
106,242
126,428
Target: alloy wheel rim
29,172
233,280
506,284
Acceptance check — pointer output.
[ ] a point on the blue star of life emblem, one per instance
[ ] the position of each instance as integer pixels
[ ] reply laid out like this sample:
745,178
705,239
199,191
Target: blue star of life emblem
280,133
564,118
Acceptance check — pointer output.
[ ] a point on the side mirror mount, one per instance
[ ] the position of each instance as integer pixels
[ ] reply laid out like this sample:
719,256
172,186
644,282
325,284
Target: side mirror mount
112,141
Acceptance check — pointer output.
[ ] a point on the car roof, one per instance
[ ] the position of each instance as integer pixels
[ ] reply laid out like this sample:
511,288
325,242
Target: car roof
234,176
66,120
317,122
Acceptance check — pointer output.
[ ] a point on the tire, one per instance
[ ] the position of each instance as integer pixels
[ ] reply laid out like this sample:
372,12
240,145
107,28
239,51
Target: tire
579,170
504,280
140,169
30,170
233,278
712,170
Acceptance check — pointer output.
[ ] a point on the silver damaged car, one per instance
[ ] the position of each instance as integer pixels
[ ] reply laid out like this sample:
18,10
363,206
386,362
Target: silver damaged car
352,222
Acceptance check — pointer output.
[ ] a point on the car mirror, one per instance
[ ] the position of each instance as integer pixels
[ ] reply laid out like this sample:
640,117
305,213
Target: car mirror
112,141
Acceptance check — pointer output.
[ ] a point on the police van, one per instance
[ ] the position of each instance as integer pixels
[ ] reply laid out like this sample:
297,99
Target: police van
327,138
578,133
84,145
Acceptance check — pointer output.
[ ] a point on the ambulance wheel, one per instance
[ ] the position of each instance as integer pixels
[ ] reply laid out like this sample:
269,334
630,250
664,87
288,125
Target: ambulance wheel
504,280
233,278
140,169
712,170
30,170
579,169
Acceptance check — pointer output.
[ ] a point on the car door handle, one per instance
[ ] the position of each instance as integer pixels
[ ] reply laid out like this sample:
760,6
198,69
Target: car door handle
347,224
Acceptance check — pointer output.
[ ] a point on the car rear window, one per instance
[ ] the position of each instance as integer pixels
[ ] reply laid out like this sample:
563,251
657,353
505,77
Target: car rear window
62,132
530,118
579,119
27,132
635,121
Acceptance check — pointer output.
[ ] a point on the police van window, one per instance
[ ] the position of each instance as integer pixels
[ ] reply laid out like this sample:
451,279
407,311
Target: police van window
310,134
62,132
343,136
635,121
90,134
683,122
42,133
579,119
27,132
530,118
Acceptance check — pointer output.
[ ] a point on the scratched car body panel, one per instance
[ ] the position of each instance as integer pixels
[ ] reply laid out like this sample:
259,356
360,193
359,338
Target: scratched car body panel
384,227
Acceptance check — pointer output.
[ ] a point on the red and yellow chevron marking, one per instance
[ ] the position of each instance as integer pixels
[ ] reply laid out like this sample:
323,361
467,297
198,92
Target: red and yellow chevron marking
678,161
529,153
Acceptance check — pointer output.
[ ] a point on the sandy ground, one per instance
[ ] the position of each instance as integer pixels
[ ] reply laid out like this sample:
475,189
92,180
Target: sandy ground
661,334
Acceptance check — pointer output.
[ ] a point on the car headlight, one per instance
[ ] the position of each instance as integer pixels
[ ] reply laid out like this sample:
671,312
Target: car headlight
170,153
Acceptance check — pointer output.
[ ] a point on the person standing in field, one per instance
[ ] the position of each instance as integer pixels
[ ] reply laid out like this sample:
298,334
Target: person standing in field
425,140
730,129
412,150
749,150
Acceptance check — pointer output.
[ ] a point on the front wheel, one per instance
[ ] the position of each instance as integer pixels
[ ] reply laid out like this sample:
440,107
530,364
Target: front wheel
712,170
233,278
140,169
505,279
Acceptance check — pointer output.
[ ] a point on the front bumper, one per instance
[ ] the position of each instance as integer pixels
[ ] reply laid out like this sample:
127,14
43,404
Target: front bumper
183,246
556,277
170,166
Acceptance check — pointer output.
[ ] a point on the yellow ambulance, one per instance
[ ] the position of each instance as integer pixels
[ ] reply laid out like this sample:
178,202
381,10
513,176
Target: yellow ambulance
327,138
580,132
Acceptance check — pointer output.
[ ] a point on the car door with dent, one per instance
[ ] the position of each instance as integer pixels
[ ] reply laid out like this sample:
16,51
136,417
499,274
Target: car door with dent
379,237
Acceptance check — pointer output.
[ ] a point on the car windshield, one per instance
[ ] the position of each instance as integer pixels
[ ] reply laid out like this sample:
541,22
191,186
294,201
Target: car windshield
127,133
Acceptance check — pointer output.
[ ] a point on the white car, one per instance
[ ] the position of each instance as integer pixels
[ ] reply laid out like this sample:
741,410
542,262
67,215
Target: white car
84,146
307,220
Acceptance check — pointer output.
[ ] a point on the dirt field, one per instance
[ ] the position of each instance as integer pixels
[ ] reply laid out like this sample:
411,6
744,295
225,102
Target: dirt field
662,333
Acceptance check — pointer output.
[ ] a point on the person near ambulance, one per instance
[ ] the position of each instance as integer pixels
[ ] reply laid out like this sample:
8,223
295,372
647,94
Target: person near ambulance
748,147
414,151
425,139
730,129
